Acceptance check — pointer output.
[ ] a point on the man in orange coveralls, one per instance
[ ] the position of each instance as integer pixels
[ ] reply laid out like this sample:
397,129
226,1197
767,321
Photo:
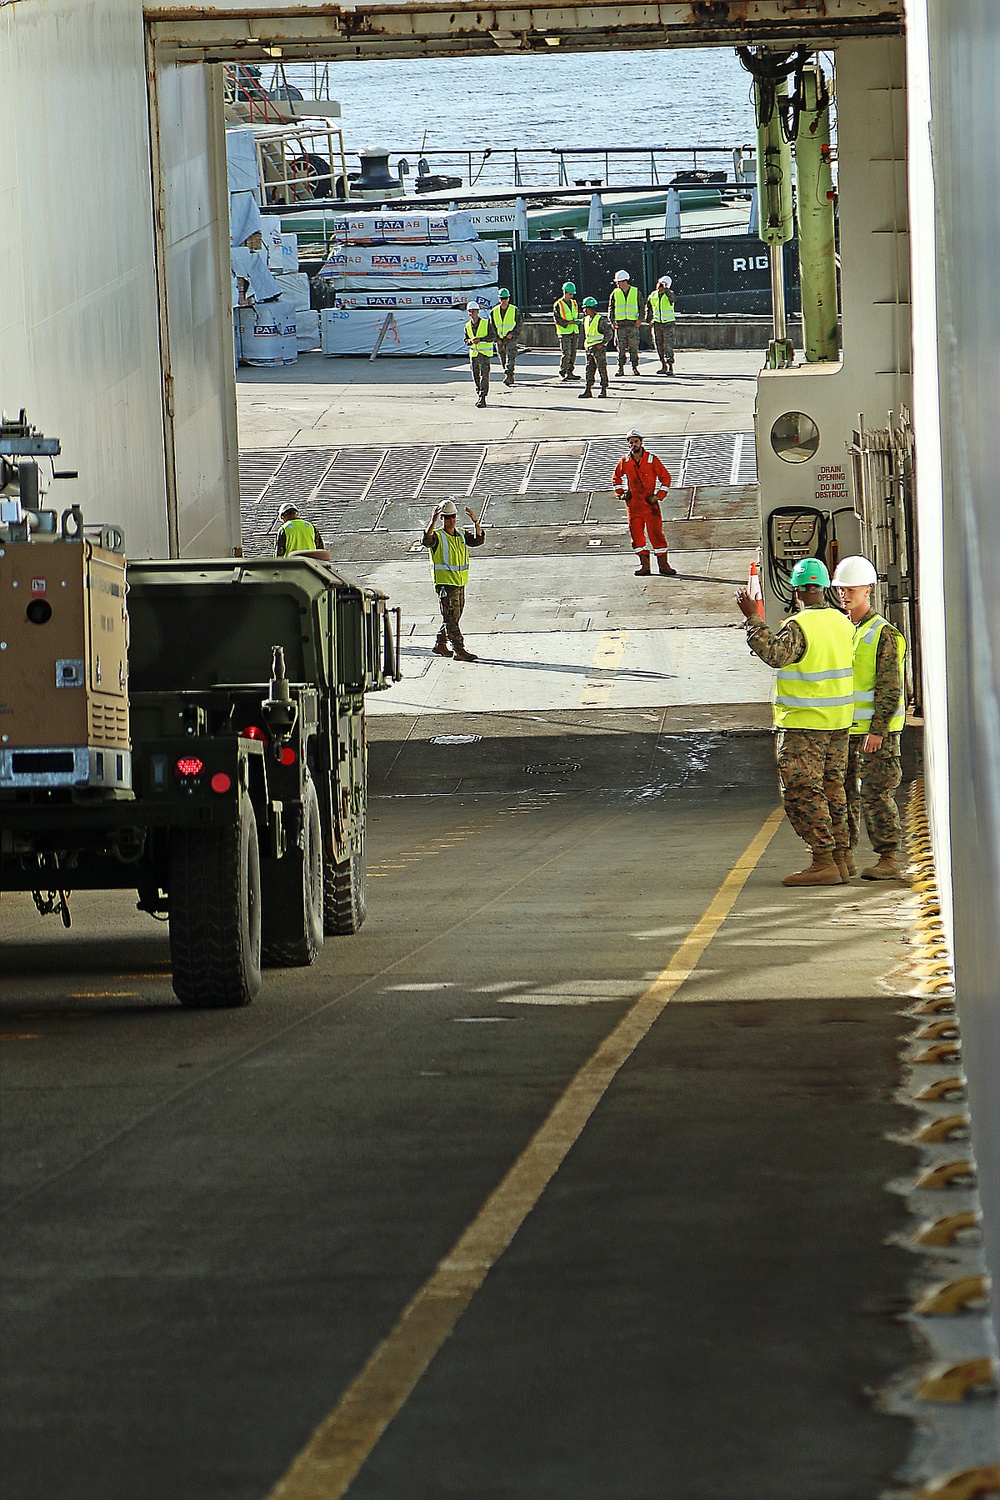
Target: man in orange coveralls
641,481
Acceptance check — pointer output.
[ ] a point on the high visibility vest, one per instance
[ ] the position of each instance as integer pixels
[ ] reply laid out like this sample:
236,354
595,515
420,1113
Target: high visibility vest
300,536
818,691
480,338
626,304
450,560
866,638
662,308
592,335
504,322
567,315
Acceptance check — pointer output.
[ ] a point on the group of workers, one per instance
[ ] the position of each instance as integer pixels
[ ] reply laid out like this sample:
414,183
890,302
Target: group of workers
497,332
839,708
839,704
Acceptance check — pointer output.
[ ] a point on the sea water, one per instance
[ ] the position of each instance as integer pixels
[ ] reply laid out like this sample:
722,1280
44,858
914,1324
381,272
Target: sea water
678,97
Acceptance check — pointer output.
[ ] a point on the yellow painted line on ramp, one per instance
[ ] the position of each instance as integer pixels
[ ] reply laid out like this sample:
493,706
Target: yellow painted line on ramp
607,659
339,1447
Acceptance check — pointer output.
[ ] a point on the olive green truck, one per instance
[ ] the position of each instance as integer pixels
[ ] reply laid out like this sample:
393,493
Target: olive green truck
193,731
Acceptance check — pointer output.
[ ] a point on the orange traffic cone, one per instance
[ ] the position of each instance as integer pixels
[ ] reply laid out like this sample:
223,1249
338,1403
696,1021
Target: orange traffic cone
754,589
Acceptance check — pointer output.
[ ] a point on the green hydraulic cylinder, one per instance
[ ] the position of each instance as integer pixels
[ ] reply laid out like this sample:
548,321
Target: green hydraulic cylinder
817,242
774,188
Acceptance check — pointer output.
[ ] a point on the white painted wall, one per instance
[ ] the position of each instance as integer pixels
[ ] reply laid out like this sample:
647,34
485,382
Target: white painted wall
79,338
954,60
873,375
191,199
85,272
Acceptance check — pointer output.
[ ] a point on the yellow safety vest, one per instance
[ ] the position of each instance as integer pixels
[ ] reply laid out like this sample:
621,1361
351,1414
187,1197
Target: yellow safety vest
818,691
479,343
866,638
504,322
300,536
567,315
450,560
662,308
592,335
626,304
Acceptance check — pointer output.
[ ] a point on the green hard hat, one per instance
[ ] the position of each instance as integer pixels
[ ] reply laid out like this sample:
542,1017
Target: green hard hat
569,286
809,572
590,301
502,292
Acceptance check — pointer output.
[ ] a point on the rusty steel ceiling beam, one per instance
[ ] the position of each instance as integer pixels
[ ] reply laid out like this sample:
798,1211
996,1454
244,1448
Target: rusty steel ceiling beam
192,30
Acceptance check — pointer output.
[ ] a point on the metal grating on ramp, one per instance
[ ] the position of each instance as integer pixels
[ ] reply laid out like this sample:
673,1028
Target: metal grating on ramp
328,477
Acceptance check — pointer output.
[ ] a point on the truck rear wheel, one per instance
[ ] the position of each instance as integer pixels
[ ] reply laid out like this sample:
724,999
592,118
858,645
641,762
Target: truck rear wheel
344,894
292,888
215,913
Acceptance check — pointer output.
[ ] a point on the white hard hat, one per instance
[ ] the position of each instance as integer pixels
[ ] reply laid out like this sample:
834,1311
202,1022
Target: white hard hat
449,508
633,432
665,281
472,307
622,276
287,508
854,572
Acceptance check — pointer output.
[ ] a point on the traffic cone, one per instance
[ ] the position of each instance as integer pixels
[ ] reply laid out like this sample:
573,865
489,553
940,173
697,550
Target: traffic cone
754,589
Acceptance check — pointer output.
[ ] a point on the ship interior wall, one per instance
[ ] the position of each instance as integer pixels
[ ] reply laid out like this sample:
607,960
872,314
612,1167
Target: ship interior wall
79,333
954,59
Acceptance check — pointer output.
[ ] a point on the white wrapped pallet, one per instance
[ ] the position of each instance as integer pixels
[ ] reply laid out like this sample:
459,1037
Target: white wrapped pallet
241,161
282,248
486,296
412,331
464,264
307,329
267,334
294,288
403,229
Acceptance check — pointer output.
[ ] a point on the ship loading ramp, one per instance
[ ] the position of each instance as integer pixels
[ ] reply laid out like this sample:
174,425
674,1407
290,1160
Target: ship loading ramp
138,1286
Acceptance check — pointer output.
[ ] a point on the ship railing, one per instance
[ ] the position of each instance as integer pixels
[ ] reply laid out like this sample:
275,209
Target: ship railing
580,166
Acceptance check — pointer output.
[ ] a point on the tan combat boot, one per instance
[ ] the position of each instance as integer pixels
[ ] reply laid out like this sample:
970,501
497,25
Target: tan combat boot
886,869
822,871
843,861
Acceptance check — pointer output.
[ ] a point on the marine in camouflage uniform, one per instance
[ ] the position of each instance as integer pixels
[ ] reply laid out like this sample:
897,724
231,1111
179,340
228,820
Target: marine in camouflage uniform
451,596
874,777
812,763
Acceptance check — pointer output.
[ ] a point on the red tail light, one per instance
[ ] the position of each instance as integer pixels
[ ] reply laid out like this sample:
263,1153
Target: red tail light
254,732
287,756
220,782
188,767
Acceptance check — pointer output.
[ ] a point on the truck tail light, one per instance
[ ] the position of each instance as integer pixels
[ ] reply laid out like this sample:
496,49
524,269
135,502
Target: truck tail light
189,767
287,757
221,782
254,732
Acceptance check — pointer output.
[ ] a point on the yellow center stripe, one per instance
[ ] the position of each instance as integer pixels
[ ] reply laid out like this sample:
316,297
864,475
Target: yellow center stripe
340,1445
607,659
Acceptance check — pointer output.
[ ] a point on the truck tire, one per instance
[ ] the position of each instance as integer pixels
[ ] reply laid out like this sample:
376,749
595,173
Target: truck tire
344,895
292,891
215,913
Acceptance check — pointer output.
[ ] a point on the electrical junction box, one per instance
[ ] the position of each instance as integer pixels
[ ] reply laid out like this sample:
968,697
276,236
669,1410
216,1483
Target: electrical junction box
64,718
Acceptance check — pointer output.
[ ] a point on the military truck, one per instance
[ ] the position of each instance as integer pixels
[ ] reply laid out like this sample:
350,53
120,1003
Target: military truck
219,771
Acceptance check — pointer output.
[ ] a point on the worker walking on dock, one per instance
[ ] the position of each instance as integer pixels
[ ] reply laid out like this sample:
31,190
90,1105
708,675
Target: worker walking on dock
479,338
642,481
597,335
297,535
623,310
873,765
506,320
662,316
449,550
566,313
813,709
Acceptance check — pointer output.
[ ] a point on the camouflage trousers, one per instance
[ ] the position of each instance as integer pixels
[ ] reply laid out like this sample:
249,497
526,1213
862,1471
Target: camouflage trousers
569,343
597,364
452,600
663,338
507,351
481,373
811,767
627,339
871,783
